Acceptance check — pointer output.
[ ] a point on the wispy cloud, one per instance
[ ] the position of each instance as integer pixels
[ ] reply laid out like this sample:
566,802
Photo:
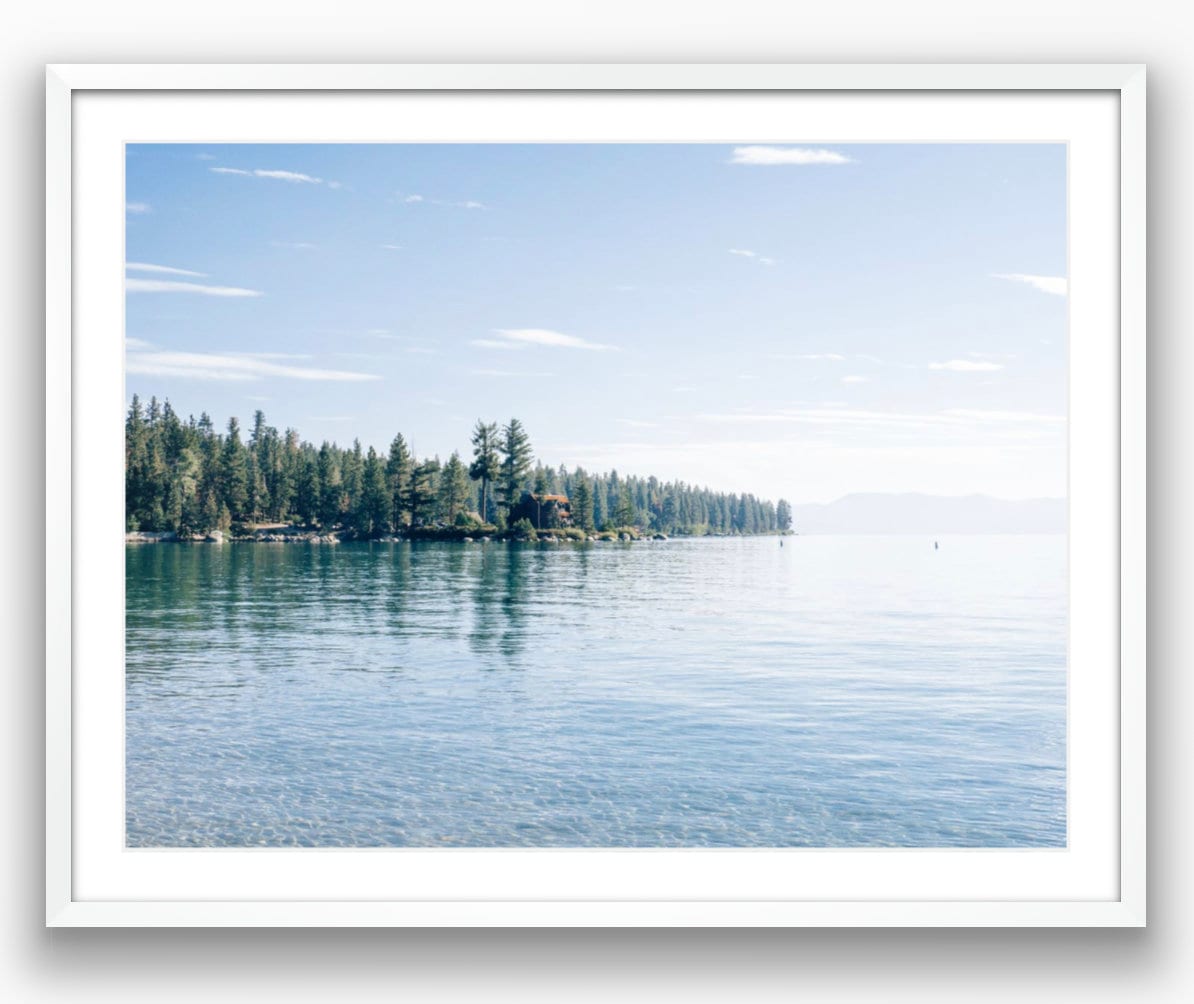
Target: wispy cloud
967,366
136,343
1003,416
827,356
1058,285
636,423
494,343
137,208
167,286
294,177
415,199
520,338
958,420
205,156
294,245
761,259
391,247
141,266
771,155
855,378
229,367
508,373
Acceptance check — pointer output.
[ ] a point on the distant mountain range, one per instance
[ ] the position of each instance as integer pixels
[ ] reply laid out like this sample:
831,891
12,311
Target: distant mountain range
930,514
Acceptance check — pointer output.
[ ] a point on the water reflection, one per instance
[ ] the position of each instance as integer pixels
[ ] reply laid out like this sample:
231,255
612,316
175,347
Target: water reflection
705,693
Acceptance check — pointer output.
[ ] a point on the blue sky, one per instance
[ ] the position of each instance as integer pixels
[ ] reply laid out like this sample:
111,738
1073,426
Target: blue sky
796,321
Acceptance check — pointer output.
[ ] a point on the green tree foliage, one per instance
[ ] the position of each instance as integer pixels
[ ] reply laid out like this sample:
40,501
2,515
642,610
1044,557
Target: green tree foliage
424,493
455,492
371,511
516,462
582,503
486,465
185,476
399,471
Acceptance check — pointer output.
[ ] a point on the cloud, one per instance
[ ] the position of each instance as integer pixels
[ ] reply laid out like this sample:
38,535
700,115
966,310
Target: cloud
466,204
637,423
229,367
1055,284
770,155
294,177
136,343
829,356
166,286
967,366
761,259
140,266
294,245
508,373
953,421
391,247
205,156
855,378
493,343
1002,416
137,208
519,337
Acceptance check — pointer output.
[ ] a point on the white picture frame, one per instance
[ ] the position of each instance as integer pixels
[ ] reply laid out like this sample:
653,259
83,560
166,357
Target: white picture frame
91,886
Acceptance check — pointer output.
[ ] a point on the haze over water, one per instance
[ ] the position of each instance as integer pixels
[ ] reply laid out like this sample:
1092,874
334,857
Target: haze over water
832,692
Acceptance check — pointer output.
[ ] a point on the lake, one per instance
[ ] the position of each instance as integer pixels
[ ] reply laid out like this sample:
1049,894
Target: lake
830,692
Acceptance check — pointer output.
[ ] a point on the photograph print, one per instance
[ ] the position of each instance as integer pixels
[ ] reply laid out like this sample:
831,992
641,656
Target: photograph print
596,495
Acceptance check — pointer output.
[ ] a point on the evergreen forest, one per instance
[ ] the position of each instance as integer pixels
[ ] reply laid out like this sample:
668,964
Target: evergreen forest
186,477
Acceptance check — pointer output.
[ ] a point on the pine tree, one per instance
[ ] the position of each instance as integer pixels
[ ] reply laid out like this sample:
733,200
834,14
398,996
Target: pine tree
516,462
582,503
454,488
783,515
486,465
371,515
625,513
424,493
329,486
399,468
234,473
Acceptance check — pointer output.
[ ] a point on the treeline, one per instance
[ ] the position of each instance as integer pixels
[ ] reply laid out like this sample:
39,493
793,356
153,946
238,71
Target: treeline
184,476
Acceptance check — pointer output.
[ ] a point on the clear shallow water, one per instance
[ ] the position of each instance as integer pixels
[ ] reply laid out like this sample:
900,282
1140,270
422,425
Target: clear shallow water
835,692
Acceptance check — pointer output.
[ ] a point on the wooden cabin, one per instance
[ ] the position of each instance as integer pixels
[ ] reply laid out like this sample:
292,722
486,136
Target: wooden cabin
546,512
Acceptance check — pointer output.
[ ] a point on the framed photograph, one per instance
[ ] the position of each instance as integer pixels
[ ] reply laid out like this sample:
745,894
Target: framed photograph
657,495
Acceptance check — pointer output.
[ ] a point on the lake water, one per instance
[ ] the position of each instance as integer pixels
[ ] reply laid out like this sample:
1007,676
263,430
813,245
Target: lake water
832,692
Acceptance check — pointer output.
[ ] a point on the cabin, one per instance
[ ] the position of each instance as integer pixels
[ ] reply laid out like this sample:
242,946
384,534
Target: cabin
546,512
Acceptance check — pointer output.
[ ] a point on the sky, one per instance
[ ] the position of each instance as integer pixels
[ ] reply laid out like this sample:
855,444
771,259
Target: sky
799,321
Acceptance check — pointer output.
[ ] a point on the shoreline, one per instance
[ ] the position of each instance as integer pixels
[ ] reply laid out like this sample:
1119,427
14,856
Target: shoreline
428,536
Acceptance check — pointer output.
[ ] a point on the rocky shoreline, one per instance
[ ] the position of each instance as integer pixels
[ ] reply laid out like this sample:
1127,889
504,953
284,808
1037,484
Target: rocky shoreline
336,537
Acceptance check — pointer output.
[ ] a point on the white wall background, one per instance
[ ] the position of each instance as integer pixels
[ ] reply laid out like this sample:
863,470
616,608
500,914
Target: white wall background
922,966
